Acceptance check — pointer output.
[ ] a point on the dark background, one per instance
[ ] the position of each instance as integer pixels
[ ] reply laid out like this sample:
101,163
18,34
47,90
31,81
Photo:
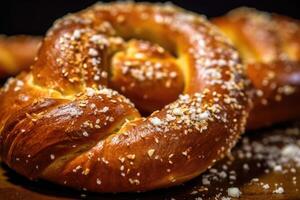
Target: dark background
36,16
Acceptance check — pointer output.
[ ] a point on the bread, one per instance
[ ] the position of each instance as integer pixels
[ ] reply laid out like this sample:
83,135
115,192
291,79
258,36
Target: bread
60,121
269,45
17,53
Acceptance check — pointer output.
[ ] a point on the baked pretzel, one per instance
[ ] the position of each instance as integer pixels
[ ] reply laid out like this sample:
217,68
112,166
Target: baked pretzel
269,45
17,53
61,122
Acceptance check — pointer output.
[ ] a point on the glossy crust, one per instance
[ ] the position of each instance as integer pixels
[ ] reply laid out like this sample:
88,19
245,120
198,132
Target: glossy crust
269,45
61,123
17,53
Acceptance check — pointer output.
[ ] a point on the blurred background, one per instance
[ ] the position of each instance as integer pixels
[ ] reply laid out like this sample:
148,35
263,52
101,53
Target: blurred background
36,16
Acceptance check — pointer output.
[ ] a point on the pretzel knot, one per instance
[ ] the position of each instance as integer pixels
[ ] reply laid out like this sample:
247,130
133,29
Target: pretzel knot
62,121
269,45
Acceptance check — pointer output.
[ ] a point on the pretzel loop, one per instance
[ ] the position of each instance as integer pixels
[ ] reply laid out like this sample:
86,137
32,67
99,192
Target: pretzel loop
62,123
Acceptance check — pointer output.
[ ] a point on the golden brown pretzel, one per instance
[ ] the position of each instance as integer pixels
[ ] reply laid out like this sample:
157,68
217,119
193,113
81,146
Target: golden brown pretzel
17,53
269,45
61,123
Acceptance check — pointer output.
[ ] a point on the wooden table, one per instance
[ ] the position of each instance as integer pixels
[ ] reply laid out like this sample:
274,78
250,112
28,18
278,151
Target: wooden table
262,162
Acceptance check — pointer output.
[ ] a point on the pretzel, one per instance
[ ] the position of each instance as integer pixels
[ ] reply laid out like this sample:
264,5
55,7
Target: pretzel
17,53
269,45
61,121
273,103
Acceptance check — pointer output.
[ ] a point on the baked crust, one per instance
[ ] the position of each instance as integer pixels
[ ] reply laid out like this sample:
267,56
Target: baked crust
61,123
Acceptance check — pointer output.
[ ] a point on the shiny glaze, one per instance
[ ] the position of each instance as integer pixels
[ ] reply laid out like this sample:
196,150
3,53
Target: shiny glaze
61,123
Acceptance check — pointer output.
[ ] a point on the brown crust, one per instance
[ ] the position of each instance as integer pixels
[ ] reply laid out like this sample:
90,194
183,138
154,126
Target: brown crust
270,47
60,123
269,44
17,53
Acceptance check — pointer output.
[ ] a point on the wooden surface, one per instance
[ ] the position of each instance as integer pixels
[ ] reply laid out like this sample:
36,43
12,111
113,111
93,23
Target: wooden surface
259,161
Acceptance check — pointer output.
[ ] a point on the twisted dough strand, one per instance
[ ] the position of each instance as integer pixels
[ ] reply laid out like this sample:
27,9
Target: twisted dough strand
61,123
269,45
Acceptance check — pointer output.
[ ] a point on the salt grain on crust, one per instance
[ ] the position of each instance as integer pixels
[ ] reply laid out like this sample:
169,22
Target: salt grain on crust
155,121
150,152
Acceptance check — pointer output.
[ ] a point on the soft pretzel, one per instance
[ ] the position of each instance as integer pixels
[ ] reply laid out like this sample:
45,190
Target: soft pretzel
17,53
269,45
61,122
